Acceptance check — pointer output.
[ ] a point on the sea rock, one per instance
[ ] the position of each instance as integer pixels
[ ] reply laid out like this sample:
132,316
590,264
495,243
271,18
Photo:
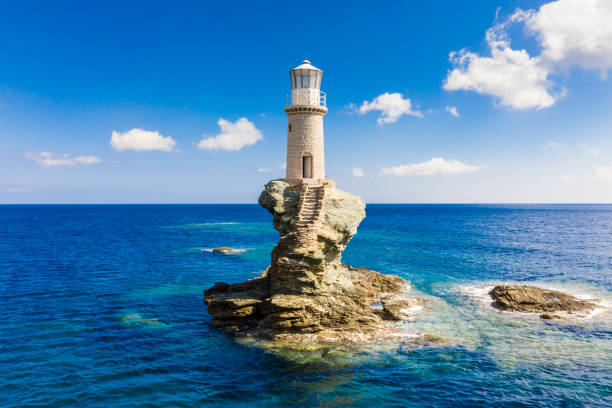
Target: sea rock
307,295
224,249
282,202
524,298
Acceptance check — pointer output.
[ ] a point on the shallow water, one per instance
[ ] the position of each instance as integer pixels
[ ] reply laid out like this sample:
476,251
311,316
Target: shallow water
102,306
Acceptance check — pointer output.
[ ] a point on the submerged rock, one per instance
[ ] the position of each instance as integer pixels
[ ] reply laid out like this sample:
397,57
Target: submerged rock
547,316
307,295
524,298
135,319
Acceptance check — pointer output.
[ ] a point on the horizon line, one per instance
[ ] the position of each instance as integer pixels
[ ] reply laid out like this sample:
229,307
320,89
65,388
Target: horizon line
367,203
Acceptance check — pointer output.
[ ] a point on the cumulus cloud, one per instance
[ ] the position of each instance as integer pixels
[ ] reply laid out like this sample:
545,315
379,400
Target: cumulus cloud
573,32
139,140
590,150
233,136
433,167
569,32
48,159
453,111
391,106
264,170
358,172
512,77
555,146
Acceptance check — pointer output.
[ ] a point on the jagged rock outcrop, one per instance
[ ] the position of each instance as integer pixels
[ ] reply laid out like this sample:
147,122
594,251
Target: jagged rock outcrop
531,299
307,294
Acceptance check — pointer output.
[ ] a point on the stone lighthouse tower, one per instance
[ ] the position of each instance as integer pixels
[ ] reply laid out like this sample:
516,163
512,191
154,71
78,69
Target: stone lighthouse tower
305,150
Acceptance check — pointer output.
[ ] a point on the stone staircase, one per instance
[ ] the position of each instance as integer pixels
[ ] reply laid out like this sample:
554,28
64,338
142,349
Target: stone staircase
309,211
311,202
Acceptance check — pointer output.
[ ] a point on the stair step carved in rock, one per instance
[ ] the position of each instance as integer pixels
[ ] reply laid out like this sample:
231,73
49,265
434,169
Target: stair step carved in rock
310,206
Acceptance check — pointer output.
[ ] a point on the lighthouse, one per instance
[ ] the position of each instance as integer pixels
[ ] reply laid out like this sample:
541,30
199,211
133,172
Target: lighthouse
305,110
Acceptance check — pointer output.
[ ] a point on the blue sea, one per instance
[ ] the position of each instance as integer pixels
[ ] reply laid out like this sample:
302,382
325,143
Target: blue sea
101,306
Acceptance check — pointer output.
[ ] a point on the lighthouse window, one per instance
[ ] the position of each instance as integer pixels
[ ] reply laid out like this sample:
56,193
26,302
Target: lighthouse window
290,127
305,80
313,79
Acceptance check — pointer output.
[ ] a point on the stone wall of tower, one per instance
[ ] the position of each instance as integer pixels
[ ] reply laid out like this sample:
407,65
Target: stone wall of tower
305,136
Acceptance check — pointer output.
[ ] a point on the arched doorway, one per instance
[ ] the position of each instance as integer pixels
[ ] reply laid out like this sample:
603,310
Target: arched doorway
307,166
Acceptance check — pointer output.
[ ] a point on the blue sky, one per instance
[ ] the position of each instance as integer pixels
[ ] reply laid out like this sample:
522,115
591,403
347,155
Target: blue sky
528,82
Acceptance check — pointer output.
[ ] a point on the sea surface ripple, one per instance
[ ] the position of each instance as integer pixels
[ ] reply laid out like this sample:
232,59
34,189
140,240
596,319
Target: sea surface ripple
101,305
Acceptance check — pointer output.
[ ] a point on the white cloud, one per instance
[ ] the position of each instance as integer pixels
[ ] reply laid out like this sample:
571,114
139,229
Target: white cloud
570,178
563,148
358,172
391,105
283,166
15,190
514,78
569,32
555,146
233,136
48,159
603,173
433,167
139,140
573,32
590,150
453,111
264,170
597,173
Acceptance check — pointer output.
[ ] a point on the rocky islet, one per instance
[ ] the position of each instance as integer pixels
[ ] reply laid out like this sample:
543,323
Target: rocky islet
307,294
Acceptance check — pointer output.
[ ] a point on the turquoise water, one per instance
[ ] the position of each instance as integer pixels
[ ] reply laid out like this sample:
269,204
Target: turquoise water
102,306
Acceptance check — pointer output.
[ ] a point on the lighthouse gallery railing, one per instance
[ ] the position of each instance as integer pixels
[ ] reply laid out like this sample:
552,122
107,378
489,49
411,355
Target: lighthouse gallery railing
322,99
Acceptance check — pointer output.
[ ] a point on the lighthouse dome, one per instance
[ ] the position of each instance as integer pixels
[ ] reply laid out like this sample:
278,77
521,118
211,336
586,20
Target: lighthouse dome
306,65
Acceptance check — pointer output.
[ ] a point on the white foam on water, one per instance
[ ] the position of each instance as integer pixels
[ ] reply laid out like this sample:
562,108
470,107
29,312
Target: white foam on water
412,309
603,310
514,338
477,293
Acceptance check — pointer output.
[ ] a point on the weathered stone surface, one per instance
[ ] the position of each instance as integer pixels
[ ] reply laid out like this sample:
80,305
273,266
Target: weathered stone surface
308,295
282,203
524,298
224,250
